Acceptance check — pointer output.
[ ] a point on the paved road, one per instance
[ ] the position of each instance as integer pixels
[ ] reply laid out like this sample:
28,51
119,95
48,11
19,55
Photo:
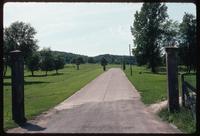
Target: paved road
109,104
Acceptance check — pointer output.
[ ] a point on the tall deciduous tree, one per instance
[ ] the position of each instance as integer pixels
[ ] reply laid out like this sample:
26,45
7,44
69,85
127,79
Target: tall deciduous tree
47,60
104,62
170,33
33,62
147,32
59,62
187,46
20,36
79,61
124,64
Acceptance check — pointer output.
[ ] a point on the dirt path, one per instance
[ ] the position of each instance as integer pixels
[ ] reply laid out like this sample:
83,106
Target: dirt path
109,104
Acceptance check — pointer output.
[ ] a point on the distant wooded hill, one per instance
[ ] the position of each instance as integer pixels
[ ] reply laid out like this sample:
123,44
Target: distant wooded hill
112,59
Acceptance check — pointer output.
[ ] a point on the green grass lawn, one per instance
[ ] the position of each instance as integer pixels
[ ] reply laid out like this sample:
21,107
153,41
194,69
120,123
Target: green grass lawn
152,87
191,79
44,92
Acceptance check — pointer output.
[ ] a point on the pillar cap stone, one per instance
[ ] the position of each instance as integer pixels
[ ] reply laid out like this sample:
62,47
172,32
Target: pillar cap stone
170,48
16,52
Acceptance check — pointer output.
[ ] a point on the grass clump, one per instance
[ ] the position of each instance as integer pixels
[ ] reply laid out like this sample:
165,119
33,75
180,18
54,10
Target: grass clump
183,119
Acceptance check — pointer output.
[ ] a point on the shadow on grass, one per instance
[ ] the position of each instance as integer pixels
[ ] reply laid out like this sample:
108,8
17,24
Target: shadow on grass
32,127
7,77
159,73
26,83
35,76
54,74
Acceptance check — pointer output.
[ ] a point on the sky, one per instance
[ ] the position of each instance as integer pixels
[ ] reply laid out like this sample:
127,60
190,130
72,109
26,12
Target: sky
84,28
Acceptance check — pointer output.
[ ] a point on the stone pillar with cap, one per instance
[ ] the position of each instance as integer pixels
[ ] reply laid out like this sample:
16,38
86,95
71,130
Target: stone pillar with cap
172,78
18,114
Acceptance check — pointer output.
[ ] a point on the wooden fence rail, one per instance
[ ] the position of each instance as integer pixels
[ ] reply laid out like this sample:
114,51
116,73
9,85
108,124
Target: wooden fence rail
188,95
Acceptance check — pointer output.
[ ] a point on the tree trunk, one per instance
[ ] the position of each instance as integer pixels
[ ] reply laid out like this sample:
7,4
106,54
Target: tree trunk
152,65
56,72
77,67
5,70
104,68
153,69
46,73
124,66
32,73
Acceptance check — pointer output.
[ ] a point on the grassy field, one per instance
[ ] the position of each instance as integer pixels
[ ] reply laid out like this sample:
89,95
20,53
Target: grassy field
152,87
43,92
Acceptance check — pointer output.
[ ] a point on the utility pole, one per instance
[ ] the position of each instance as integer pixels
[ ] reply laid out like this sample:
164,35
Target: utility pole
130,59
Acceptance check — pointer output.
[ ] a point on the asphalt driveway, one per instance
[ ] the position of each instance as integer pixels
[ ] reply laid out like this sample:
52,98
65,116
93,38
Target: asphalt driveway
108,104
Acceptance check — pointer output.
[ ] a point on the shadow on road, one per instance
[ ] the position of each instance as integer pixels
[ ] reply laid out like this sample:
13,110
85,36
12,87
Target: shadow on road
31,127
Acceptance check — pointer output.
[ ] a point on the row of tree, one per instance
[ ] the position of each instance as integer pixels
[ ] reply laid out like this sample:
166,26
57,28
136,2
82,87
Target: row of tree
21,36
153,30
45,60
111,59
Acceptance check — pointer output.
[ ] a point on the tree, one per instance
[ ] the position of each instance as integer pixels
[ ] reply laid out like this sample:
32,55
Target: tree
59,62
90,60
147,32
124,64
79,61
47,60
170,37
104,63
73,61
170,33
187,44
20,36
33,62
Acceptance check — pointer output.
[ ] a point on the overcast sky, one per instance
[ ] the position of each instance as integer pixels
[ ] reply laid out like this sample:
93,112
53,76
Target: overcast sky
84,28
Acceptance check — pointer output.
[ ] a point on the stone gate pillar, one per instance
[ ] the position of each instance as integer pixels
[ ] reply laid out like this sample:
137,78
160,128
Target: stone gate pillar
17,74
172,78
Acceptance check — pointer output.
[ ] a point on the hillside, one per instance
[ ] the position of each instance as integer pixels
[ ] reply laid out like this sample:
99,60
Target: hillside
112,59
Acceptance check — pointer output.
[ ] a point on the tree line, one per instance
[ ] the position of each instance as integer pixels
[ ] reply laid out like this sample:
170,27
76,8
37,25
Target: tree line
21,36
153,30
111,59
45,60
